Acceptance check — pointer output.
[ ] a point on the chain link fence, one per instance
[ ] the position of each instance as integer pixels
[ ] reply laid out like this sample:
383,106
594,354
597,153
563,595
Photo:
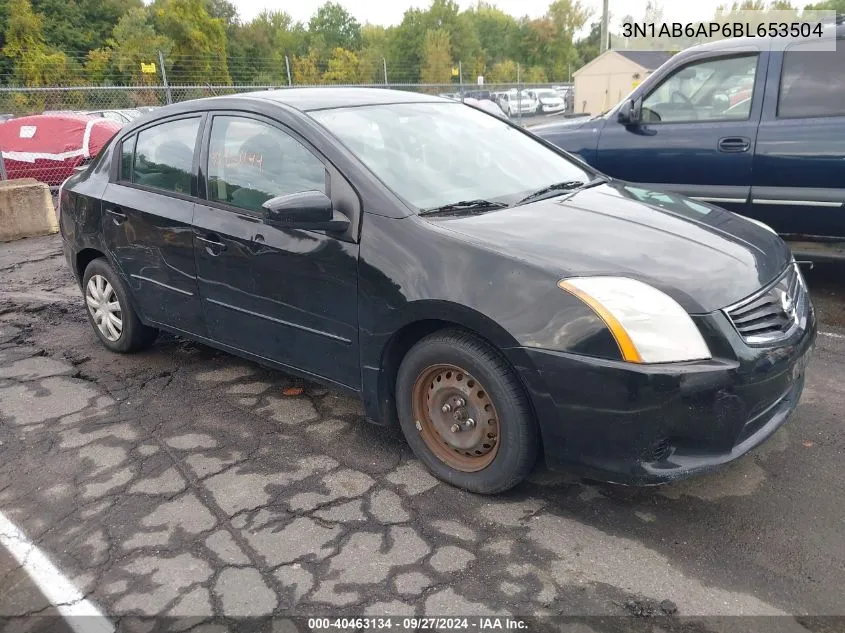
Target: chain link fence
522,101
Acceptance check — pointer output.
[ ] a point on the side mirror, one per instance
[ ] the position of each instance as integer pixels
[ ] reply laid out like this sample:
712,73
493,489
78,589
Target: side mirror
306,210
632,112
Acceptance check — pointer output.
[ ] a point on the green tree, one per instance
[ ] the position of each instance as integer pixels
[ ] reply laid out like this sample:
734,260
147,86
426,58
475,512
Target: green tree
502,72
305,69
404,47
343,67
437,65
199,41
567,18
134,42
225,11
827,5
77,26
445,15
373,52
98,66
588,48
262,45
35,64
497,32
534,75
336,26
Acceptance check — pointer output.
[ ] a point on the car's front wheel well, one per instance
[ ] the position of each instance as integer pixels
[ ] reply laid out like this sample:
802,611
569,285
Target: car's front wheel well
398,346
85,257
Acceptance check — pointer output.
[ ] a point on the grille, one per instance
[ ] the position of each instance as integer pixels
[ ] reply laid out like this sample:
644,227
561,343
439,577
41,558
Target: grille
772,313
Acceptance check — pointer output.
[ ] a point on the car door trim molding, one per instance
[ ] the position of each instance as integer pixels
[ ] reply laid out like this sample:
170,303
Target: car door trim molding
797,196
163,285
717,199
281,321
734,194
799,203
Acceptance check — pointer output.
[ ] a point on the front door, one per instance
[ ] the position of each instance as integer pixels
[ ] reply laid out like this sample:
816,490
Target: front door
286,295
147,213
697,134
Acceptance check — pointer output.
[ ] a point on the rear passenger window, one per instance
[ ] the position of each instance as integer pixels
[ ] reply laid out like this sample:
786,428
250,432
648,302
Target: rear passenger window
250,162
164,156
127,151
812,83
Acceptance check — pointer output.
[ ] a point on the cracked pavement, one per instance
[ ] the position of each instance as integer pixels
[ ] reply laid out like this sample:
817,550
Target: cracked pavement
182,481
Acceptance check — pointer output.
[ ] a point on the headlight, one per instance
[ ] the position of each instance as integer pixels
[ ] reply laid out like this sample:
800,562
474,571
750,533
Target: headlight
648,325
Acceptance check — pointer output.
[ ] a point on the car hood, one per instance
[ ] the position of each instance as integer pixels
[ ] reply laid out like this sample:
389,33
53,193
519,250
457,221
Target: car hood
704,257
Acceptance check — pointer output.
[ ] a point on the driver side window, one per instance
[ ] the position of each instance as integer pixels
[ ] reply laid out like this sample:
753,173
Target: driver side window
710,90
250,162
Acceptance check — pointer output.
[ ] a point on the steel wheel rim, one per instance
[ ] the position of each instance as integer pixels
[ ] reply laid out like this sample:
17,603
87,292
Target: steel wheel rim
456,417
104,307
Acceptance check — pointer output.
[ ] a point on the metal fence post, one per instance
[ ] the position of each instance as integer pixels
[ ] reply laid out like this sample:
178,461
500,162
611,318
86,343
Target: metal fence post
518,96
287,68
167,95
461,77
3,174
384,66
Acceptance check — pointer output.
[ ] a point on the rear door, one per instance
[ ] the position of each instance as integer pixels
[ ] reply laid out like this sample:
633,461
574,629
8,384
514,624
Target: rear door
799,166
147,213
698,130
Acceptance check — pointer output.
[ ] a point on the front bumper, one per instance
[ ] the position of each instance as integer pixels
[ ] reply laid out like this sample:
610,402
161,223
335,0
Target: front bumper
650,424
553,108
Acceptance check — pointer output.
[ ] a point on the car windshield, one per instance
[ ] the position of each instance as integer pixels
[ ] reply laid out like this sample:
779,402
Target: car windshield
546,93
435,154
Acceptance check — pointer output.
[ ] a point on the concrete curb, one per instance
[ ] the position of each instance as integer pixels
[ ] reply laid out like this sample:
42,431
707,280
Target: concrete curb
26,210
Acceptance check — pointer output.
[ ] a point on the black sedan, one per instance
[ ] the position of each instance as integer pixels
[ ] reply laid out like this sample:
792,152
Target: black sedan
495,296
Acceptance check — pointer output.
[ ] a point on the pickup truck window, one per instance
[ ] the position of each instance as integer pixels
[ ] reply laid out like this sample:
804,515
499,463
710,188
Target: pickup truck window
709,90
812,83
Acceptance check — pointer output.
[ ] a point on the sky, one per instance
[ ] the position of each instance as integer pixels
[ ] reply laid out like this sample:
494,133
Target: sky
389,12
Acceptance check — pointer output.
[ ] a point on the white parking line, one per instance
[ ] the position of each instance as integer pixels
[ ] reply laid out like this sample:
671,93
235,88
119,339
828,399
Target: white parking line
832,334
81,615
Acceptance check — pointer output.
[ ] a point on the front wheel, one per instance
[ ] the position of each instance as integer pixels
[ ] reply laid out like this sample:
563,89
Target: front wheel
464,413
110,312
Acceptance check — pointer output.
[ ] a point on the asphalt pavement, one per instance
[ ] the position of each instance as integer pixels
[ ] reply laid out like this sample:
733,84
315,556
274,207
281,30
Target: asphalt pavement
186,482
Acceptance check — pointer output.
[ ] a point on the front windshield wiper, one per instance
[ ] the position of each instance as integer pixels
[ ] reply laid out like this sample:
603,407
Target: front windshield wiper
464,205
558,187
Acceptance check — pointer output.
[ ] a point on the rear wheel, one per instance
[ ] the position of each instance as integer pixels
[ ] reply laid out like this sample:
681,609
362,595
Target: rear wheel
109,311
465,414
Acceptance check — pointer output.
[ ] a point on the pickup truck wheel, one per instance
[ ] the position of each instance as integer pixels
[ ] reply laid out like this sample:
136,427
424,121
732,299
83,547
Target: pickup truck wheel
464,413
110,312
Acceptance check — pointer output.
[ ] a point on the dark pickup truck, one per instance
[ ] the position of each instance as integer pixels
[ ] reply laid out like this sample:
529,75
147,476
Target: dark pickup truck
751,126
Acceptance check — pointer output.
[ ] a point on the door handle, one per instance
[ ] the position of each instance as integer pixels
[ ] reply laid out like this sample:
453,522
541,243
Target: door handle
734,144
213,244
118,217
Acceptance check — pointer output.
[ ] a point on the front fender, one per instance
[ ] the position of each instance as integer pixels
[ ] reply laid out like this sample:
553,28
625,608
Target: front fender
416,276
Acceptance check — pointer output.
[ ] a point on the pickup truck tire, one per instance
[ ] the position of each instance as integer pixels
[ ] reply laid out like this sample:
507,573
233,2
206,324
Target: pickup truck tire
465,414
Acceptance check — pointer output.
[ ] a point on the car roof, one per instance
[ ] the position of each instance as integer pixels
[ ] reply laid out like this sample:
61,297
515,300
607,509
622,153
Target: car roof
306,99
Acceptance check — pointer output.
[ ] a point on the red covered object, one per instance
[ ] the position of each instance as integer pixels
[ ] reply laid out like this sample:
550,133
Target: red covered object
48,146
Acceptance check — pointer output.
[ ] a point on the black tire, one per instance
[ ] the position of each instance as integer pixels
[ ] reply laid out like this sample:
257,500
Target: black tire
518,442
133,334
